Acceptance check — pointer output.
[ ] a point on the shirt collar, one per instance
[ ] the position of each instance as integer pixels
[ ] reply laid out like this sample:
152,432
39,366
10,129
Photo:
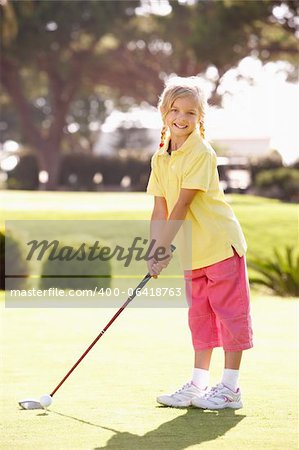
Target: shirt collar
189,143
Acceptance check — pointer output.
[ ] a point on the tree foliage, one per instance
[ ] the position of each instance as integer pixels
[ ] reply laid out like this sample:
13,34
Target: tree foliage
281,183
62,61
221,33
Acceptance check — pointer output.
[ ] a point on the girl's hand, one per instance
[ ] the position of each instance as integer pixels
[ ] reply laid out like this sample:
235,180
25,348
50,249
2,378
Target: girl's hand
150,268
156,267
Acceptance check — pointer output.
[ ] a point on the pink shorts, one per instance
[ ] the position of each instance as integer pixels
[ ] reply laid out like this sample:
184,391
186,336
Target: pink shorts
219,305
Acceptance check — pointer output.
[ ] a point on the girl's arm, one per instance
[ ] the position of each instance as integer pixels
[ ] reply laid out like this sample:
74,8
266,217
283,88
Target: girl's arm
182,205
178,214
160,209
167,230
158,218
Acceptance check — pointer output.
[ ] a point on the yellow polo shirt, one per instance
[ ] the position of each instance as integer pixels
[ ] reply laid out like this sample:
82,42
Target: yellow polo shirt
215,228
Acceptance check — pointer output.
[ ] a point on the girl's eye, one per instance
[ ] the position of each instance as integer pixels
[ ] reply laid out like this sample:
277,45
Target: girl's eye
174,109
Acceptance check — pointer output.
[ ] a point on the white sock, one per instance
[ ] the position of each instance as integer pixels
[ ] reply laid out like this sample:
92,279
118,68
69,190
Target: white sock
200,378
230,378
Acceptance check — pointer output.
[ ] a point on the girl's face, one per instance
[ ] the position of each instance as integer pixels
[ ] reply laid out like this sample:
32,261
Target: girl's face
183,117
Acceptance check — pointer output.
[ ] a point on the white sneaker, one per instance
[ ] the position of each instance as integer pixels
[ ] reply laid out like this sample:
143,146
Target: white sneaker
219,397
182,397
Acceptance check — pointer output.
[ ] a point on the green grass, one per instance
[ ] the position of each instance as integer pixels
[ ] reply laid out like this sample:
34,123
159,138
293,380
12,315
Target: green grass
266,223
109,401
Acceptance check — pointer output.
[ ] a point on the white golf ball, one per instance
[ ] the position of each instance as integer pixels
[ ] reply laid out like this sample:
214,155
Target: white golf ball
45,400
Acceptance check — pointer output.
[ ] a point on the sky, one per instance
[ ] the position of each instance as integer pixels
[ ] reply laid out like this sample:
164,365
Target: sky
267,108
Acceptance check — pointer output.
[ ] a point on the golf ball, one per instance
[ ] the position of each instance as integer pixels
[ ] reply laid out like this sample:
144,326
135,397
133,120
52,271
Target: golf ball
45,400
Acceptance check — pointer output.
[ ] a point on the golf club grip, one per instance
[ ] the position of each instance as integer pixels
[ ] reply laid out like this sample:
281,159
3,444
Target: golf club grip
140,286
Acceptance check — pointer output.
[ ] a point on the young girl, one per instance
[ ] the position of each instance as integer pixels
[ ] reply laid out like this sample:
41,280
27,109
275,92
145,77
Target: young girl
185,183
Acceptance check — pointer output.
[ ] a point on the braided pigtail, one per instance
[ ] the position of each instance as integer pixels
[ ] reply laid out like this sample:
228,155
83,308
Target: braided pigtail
163,134
202,128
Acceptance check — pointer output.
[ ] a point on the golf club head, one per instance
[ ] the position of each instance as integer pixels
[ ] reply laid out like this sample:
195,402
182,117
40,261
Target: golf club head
30,403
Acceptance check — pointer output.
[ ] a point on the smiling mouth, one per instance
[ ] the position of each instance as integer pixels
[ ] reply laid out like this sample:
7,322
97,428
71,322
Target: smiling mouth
180,127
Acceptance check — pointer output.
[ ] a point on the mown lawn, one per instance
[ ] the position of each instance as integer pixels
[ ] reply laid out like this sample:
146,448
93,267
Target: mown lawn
266,223
109,401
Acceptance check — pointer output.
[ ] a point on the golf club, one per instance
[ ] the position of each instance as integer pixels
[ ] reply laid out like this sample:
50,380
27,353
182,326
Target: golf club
46,400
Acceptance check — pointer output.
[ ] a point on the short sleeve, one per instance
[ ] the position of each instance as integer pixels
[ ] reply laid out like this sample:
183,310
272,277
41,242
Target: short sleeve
154,186
199,172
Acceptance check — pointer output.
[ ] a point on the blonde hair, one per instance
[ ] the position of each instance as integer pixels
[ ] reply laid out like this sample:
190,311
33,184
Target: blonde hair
177,87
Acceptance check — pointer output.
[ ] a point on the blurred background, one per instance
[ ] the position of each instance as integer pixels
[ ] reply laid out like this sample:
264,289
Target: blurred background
81,79
80,82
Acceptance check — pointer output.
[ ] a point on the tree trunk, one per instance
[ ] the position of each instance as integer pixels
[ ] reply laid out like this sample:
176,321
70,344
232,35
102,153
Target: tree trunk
46,144
49,160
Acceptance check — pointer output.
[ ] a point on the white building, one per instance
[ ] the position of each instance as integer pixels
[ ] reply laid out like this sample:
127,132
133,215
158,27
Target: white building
243,147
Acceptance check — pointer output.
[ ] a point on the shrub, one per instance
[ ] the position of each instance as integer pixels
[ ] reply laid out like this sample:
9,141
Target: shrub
282,183
13,261
81,168
77,171
25,174
138,170
75,274
269,162
279,274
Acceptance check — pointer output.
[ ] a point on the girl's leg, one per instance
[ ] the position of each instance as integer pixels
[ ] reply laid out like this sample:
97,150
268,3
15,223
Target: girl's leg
230,375
232,360
202,359
201,375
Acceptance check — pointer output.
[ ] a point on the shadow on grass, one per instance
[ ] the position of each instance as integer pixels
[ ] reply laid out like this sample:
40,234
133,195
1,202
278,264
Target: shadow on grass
83,421
194,427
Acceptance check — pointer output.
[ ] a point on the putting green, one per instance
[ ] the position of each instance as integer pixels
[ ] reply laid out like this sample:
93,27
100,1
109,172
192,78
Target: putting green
109,401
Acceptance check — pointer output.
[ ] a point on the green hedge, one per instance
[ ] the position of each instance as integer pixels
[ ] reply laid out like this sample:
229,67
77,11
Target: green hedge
14,259
282,183
25,174
77,171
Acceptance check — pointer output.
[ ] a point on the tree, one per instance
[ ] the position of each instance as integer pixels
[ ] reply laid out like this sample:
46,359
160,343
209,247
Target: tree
221,33
61,64
48,61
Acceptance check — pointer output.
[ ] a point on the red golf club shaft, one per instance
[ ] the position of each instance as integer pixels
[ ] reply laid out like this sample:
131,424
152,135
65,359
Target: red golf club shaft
140,286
